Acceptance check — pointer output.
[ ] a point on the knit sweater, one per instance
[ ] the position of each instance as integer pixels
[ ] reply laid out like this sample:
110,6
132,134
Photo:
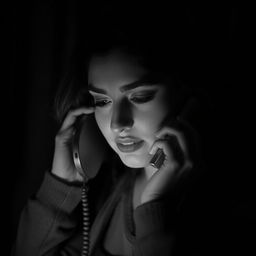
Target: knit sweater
50,223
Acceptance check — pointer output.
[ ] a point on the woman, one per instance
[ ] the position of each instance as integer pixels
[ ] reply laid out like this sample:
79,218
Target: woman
141,108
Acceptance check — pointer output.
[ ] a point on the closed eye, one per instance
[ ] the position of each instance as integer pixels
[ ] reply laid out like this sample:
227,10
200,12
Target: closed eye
140,99
101,103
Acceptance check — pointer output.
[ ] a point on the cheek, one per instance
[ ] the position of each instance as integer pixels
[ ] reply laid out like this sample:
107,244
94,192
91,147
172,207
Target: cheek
149,122
103,121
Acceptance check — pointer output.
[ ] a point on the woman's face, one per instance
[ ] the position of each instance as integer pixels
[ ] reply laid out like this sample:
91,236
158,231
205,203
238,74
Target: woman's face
129,108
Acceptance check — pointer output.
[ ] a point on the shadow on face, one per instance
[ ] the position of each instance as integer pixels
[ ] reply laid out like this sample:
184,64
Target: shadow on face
131,104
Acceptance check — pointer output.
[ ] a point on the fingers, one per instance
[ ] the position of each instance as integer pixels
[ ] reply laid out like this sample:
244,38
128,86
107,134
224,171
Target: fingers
161,143
175,147
63,136
72,116
166,132
167,157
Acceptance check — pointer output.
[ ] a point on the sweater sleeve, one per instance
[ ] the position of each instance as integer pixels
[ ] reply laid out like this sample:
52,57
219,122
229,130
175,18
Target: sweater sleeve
49,219
155,230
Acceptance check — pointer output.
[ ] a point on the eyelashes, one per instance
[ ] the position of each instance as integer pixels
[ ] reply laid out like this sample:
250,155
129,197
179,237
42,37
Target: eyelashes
142,99
101,103
137,99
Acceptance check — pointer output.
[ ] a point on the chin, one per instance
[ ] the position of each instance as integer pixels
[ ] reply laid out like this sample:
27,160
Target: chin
134,161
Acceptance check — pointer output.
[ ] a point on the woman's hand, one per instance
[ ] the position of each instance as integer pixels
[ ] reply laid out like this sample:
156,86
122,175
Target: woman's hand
173,141
63,165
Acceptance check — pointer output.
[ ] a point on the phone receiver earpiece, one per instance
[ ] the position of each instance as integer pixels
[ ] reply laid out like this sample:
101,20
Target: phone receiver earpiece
89,147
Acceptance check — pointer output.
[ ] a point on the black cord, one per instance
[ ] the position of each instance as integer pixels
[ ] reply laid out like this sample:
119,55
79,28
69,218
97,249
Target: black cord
86,221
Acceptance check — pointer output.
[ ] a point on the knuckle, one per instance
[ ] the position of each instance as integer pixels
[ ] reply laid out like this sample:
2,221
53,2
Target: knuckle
63,134
174,166
58,136
159,143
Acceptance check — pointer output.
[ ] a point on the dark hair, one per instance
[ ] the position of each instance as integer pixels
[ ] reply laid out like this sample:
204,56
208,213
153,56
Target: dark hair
160,56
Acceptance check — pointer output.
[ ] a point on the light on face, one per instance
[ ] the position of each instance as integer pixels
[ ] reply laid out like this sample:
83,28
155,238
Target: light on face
126,100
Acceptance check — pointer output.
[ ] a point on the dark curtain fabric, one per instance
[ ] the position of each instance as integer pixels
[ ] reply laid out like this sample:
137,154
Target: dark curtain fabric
42,35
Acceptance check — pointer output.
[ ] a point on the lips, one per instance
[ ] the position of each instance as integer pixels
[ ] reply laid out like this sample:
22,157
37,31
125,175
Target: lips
129,144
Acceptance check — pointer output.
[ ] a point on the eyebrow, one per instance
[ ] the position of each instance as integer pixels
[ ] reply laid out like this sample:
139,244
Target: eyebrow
126,87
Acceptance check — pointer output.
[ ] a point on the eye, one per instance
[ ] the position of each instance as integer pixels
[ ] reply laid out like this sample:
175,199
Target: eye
101,103
143,98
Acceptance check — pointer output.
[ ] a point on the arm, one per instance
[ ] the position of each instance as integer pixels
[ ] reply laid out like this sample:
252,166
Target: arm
181,224
49,219
159,227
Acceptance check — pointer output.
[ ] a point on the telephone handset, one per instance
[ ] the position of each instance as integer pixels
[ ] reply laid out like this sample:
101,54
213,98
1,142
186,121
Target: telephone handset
89,147
89,150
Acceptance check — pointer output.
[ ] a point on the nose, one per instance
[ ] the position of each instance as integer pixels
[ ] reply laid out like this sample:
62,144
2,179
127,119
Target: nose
122,117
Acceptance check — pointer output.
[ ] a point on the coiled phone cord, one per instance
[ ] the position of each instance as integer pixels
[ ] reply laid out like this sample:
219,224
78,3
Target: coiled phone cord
86,221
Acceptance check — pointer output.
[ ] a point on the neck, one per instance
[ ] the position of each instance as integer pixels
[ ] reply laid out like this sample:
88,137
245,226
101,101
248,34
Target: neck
147,172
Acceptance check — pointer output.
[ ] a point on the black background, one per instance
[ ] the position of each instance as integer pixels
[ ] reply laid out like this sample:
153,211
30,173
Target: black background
38,38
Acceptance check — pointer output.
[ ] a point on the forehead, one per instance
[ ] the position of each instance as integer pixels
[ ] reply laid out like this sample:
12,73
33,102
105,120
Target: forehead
115,69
